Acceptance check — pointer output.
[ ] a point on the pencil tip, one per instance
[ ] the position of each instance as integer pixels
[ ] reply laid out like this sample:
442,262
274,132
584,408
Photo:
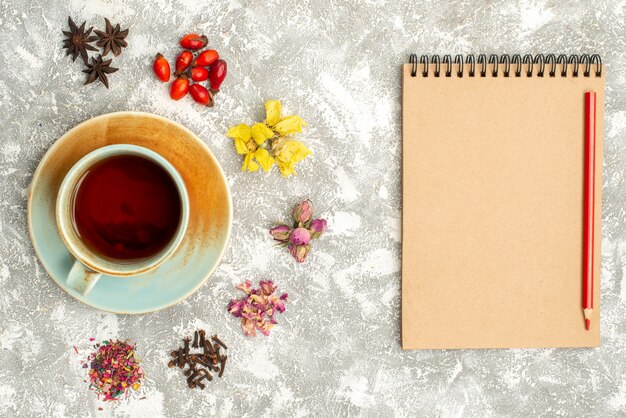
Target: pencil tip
587,324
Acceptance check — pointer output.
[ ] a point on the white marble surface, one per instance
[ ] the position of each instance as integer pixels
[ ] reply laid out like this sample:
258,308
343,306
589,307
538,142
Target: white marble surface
336,351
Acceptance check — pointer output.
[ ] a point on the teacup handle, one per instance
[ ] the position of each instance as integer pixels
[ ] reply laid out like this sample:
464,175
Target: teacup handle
81,278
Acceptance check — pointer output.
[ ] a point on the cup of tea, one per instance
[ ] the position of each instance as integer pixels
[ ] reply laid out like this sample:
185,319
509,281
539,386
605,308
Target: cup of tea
121,210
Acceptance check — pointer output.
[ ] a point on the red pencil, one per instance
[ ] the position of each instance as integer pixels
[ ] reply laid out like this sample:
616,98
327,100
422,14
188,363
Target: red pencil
589,204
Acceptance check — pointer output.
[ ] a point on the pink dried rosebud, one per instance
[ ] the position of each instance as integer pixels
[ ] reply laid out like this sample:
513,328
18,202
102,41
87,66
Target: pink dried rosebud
318,227
305,228
247,326
300,236
245,286
267,287
302,212
280,233
266,327
279,305
299,252
235,307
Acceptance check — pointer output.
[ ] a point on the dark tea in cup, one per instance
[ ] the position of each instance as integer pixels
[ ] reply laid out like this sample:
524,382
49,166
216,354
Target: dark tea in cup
126,207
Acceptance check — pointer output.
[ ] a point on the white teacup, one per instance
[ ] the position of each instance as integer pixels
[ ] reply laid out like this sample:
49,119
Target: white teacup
89,266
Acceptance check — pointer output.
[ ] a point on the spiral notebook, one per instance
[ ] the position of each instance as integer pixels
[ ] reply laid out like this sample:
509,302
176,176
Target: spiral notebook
492,220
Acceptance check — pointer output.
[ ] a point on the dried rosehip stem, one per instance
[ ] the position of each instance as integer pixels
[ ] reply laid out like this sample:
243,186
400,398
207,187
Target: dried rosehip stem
190,370
199,363
205,375
193,376
186,340
217,340
222,365
208,348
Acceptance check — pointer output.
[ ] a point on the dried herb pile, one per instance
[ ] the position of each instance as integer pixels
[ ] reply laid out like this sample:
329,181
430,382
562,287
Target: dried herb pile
193,68
114,369
200,364
78,41
258,308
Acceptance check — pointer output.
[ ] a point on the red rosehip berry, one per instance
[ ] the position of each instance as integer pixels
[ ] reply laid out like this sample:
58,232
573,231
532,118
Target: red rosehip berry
201,95
161,68
183,61
217,74
199,73
193,41
179,88
206,58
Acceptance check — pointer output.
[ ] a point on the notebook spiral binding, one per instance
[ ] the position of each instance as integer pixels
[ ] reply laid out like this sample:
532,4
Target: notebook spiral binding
528,61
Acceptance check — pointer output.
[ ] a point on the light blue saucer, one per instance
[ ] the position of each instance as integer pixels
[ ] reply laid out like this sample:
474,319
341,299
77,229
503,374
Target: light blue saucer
210,216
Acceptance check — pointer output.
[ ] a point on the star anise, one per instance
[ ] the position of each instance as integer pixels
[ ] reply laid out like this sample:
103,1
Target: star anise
98,69
112,39
77,42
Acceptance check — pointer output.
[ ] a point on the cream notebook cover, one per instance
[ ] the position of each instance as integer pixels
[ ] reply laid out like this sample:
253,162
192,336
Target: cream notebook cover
492,220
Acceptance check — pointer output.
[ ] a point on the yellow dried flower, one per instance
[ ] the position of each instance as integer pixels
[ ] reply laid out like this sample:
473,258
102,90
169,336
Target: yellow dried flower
289,154
264,145
241,134
241,131
264,158
261,133
289,125
259,158
249,163
273,108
